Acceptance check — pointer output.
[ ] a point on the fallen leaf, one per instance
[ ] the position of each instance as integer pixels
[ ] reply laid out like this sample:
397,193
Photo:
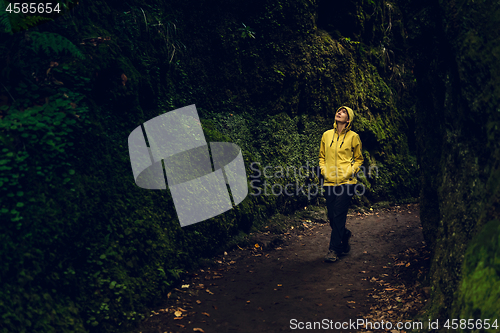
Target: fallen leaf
185,286
196,329
257,246
206,314
198,301
208,291
351,302
178,313
280,285
248,302
124,78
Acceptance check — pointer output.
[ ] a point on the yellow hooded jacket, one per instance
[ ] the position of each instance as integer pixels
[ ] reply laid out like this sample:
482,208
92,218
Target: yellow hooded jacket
340,155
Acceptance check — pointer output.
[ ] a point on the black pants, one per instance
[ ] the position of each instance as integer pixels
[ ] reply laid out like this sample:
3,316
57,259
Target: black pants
338,199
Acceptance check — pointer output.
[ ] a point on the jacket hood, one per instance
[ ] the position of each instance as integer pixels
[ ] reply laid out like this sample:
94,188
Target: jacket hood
351,118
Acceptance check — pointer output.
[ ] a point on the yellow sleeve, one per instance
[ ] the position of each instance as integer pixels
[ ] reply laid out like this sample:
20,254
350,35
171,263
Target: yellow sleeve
322,155
358,156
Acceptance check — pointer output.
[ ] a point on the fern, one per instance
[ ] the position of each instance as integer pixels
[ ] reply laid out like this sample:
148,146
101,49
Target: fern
13,22
5,25
24,22
50,43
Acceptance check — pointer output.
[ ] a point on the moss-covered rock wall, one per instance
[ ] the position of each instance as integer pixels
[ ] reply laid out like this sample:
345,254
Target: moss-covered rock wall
457,69
274,57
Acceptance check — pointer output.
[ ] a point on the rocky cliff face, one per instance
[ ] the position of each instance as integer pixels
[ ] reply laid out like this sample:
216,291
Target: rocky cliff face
457,65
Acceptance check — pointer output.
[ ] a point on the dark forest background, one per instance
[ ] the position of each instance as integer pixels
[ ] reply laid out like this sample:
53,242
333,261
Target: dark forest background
82,248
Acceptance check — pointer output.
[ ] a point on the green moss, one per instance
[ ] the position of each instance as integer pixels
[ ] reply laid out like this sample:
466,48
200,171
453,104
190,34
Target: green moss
480,285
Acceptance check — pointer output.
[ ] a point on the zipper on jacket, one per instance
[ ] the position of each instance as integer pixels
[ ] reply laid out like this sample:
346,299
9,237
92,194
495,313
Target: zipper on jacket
336,167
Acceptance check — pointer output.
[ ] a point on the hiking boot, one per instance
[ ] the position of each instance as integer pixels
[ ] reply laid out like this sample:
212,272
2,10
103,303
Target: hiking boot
331,256
345,241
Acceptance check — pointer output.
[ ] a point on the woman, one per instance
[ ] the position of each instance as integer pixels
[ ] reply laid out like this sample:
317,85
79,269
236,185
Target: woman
339,159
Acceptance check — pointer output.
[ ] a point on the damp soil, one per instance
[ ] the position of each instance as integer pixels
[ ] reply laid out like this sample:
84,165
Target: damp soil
279,281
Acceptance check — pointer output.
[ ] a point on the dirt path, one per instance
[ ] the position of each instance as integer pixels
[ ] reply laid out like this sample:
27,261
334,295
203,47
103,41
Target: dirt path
271,288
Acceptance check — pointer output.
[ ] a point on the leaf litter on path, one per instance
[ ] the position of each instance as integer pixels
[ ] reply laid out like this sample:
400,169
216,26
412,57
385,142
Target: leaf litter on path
376,285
